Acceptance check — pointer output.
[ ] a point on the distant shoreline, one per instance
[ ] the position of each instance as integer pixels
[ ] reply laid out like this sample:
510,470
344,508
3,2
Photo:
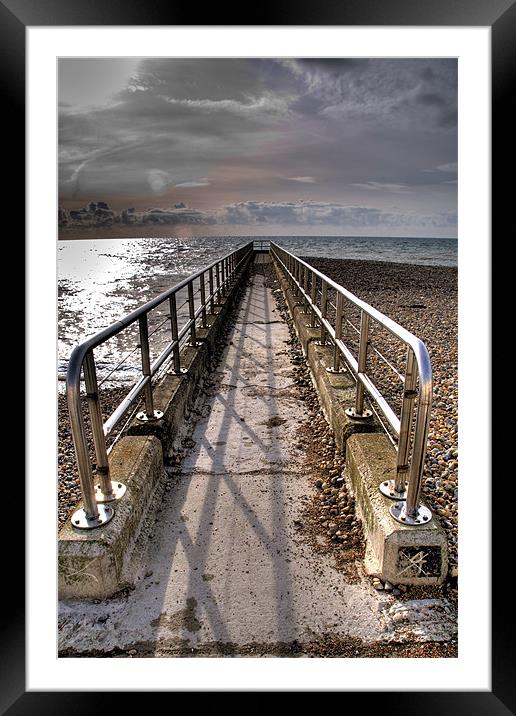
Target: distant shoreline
163,232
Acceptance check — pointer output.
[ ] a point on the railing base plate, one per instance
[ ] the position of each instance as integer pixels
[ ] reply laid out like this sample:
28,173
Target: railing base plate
350,412
423,516
80,520
118,490
387,489
332,370
144,418
181,371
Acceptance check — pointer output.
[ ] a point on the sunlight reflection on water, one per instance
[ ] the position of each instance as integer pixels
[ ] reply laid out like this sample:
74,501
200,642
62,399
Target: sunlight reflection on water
101,281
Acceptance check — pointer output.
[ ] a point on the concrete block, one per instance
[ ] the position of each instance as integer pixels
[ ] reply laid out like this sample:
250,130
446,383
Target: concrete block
94,563
397,553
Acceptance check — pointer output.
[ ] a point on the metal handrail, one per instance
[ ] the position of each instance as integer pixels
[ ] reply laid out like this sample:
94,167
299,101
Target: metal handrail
220,274
261,244
406,488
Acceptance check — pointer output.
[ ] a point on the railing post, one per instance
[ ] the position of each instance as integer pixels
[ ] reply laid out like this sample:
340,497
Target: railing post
149,413
313,298
412,512
90,509
174,331
223,277
339,315
203,300
324,312
396,489
305,288
418,460
105,491
359,411
91,515
407,411
217,277
191,312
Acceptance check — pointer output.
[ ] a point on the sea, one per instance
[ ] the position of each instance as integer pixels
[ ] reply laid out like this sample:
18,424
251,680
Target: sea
99,281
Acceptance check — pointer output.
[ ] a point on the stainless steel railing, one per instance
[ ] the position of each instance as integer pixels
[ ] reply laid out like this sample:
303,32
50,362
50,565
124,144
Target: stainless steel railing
411,427
261,244
204,289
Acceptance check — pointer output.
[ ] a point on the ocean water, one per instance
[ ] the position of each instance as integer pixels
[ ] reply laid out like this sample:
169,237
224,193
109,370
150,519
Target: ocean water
101,281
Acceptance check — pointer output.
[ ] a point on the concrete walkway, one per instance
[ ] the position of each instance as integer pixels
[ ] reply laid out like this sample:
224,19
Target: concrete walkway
226,564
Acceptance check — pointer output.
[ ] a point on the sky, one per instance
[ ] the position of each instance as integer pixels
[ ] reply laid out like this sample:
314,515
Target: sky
262,146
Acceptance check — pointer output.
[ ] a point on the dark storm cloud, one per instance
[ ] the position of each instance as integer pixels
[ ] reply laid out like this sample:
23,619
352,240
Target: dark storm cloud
255,213
328,129
334,66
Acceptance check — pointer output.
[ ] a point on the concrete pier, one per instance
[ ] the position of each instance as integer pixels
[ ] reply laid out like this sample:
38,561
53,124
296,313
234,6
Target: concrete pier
224,566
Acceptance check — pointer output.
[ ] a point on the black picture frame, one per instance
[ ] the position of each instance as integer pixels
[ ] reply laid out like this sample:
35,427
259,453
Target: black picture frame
500,16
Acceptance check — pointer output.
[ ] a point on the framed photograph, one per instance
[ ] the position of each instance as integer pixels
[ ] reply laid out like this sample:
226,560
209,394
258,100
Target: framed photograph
245,153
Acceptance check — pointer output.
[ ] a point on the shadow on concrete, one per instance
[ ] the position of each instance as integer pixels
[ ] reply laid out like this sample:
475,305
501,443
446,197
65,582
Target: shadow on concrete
197,595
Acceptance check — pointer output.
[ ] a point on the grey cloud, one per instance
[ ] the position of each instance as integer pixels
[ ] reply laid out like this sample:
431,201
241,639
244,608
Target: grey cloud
395,89
312,213
99,214
189,184
450,167
334,66
383,186
191,79
257,128
432,99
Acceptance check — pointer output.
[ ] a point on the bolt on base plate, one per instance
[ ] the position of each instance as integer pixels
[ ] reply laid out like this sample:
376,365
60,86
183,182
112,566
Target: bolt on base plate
350,412
331,369
80,520
144,418
423,515
319,343
387,489
181,371
118,490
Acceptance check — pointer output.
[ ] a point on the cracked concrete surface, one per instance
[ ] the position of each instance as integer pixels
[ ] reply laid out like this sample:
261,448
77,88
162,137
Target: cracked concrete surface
225,562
